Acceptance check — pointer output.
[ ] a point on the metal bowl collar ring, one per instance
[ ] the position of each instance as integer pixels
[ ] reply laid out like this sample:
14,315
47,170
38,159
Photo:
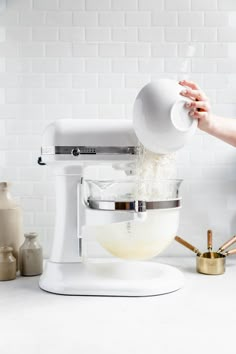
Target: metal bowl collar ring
133,206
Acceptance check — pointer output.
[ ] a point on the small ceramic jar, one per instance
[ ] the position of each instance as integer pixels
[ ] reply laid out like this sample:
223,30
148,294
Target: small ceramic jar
31,256
7,263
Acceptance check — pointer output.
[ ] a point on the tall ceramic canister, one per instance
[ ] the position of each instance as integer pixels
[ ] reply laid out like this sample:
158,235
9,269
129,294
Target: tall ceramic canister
11,221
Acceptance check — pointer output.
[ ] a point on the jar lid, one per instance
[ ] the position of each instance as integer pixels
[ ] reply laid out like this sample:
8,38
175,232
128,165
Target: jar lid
5,249
31,234
4,185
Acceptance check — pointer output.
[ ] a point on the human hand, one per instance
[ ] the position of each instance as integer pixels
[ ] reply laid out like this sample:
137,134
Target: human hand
199,107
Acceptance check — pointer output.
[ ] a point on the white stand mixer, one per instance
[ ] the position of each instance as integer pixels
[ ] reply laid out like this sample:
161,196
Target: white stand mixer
68,147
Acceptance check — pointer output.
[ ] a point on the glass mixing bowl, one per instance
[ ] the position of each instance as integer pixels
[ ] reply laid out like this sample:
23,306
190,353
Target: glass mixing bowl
140,217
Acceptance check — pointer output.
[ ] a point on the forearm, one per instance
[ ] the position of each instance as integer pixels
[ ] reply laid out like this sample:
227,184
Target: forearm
222,128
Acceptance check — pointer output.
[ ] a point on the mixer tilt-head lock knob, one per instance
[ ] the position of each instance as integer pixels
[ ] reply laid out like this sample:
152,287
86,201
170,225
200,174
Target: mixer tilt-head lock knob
75,152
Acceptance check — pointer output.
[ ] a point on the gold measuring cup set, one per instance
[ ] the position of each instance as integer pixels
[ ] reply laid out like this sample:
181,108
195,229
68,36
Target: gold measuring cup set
212,263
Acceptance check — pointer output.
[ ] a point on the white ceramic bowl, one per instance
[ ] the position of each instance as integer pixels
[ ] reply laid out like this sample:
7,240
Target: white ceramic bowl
161,122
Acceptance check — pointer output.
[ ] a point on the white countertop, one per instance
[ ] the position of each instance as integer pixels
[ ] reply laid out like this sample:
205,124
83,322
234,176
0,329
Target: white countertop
199,317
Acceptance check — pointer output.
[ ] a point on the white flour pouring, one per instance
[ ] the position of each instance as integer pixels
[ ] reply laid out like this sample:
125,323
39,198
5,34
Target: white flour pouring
153,171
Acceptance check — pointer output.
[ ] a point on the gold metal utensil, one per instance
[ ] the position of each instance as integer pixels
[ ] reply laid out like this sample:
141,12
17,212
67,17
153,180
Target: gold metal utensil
216,265
210,263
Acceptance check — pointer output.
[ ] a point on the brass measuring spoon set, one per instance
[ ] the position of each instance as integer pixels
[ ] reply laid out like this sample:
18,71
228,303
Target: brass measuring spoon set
210,262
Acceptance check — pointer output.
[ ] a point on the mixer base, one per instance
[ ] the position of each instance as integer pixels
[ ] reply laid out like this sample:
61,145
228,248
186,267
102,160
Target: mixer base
105,277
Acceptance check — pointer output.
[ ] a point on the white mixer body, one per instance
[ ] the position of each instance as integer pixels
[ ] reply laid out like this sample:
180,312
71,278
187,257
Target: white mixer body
60,142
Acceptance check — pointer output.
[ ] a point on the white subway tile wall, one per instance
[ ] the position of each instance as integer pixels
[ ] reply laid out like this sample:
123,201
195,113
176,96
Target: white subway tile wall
88,59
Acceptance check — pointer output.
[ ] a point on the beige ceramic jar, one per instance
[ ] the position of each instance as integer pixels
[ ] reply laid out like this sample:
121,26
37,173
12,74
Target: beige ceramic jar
7,264
31,256
11,221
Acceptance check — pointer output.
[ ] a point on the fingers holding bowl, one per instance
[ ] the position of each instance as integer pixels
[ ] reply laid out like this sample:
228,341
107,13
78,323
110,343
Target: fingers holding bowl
198,105
195,95
189,84
198,115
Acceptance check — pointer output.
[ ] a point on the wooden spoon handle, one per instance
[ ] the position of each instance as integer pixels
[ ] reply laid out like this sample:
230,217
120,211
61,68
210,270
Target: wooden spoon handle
187,245
227,244
230,252
209,240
